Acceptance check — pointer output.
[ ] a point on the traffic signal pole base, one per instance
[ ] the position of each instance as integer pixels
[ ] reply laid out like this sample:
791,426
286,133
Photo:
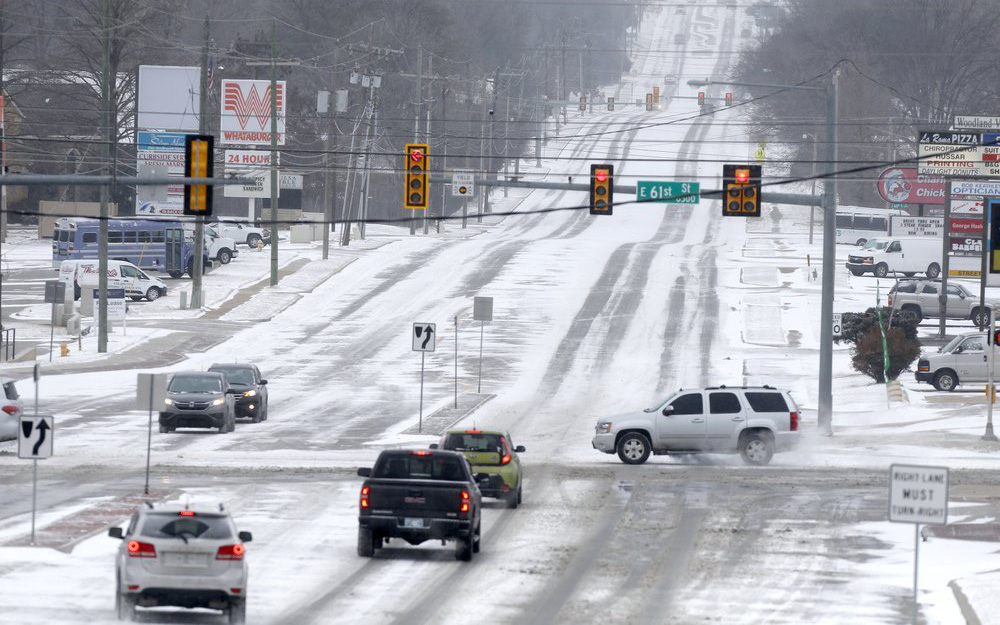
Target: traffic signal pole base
989,435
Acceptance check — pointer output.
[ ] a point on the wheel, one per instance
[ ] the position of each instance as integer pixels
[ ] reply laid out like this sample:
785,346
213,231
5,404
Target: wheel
232,422
881,270
909,274
264,418
856,272
255,418
190,268
463,549
945,380
477,543
135,298
861,242
253,240
124,605
225,256
981,317
512,499
756,449
519,499
933,270
165,430
238,611
175,274
915,311
366,542
633,448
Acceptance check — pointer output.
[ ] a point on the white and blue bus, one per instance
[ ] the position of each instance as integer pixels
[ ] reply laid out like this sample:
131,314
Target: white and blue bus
146,243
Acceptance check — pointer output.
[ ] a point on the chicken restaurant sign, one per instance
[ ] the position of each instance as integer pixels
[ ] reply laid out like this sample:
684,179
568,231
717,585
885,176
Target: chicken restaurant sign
903,185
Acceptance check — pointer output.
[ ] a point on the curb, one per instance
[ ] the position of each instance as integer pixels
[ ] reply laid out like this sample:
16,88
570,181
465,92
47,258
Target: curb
968,612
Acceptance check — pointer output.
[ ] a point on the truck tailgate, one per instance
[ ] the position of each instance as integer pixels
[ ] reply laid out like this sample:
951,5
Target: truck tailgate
415,498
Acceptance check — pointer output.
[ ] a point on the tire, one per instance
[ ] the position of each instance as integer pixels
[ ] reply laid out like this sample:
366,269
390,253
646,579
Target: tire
915,311
933,270
756,449
945,380
190,268
135,298
881,270
477,543
633,448
237,611
124,605
232,422
519,498
981,318
165,430
861,242
225,256
909,274
856,272
366,542
175,274
512,499
256,418
463,549
264,417
152,294
253,240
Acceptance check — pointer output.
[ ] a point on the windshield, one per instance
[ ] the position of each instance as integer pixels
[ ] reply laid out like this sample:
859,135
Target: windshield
195,384
172,525
950,347
875,244
237,375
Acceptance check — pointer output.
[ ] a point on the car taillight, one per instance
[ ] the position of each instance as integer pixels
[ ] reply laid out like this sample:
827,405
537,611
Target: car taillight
464,508
9,409
795,421
364,496
138,549
923,366
231,552
505,459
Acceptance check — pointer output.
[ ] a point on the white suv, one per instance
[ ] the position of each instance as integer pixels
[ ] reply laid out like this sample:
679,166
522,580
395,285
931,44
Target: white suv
242,233
754,421
11,409
182,555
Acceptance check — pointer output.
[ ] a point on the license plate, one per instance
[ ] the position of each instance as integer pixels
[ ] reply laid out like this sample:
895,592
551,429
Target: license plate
413,523
185,559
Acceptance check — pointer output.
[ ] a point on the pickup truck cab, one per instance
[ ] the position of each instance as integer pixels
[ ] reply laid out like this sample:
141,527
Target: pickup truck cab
753,421
964,360
217,247
419,495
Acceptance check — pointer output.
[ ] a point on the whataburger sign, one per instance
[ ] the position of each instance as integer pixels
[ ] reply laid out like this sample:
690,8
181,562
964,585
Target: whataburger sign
246,112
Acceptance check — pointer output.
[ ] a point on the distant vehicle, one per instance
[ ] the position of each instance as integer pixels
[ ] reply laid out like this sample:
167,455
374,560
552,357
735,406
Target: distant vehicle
242,233
187,556
146,243
491,453
251,402
856,224
11,409
199,399
220,248
962,361
754,421
420,495
85,274
670,79
906,255
920,297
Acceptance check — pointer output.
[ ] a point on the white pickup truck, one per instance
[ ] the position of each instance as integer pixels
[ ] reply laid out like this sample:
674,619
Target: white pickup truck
753,421
220,248
242,233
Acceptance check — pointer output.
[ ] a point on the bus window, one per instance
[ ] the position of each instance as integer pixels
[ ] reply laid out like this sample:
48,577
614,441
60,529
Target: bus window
143,236
130,236
90,237
845,221
879,223
114,236
158,236
862,222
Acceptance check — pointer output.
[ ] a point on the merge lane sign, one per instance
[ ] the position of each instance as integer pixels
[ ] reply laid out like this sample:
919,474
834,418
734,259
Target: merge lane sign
424,337
34,437
668,192
918,494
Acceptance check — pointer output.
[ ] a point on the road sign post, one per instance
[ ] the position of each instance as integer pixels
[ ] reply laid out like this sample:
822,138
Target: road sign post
424,337
482,311
55,293
918,494
34,442
151,390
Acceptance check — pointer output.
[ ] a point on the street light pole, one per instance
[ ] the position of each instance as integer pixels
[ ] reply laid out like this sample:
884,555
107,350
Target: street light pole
825,403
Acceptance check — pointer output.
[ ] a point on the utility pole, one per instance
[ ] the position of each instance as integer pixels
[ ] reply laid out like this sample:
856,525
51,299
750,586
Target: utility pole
329,188
825,403
3,128
444,149
199,219
102,245
416,121
427,133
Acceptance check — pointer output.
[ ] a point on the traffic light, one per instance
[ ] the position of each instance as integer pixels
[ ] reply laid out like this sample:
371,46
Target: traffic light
416,163
199,156
729,99
741,190
602,189
992,208
701,98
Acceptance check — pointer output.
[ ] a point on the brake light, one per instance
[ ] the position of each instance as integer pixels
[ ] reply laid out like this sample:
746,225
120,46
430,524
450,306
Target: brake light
138,549
795,421
465,502
186,513
505,459
9,409
420,452
364,496
473,431
231,552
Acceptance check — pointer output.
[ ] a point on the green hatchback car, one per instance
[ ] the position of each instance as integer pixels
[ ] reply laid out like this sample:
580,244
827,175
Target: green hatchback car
494,461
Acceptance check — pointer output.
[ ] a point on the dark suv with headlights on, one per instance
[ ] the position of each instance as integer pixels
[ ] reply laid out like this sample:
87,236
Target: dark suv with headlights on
199,399
251,401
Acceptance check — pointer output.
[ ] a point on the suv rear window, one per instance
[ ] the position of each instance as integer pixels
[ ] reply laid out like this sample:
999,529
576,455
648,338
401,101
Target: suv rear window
412,466
474,442
766,402
172,525
10,391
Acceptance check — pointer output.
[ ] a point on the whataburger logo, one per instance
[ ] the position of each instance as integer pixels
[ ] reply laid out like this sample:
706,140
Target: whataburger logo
250,103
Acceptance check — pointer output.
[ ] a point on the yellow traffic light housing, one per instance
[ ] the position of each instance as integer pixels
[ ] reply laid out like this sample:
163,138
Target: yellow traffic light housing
741,190
416,162
602,189
199,158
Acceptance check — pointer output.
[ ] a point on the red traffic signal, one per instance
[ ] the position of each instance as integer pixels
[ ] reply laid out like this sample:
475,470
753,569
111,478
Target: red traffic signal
602,190
742,175
415,192
741,190
729,99
701,98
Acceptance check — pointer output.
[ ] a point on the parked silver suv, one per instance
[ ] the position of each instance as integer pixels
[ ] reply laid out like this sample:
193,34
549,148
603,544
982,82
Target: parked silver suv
921,298
754,421
183,555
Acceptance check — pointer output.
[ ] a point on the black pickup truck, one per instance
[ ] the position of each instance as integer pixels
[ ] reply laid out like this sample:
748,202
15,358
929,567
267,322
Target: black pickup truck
419,495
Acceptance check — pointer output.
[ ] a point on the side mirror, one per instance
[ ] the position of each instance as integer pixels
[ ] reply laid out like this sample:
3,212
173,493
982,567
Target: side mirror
263,382
669,410
245,536
116,532
365,472
958,350
432,446
519,449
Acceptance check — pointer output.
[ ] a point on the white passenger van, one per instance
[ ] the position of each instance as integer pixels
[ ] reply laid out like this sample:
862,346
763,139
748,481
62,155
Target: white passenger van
83,274
894,255
857,224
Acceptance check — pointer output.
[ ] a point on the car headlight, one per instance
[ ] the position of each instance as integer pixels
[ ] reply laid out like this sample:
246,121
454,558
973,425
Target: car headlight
168,401
604,427
251,393
219,401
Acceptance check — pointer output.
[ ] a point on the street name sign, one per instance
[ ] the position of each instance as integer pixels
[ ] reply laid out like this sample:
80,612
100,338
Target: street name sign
34,437
424,337
977,122
667,192
918,494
